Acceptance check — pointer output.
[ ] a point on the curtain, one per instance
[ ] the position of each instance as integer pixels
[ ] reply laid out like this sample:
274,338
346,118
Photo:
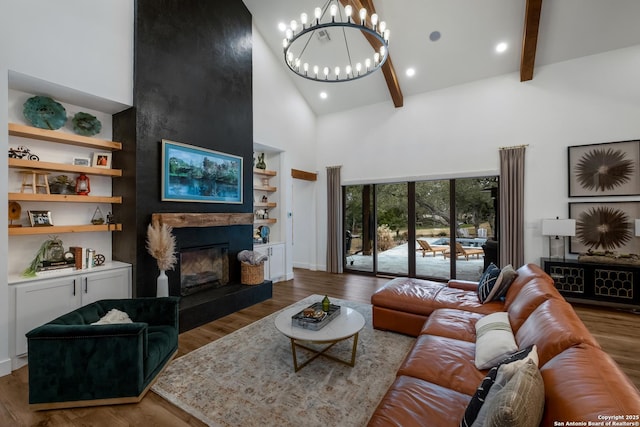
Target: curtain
512,206
335,236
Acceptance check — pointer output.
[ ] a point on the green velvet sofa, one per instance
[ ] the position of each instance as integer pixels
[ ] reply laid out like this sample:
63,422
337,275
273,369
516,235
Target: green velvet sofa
73,363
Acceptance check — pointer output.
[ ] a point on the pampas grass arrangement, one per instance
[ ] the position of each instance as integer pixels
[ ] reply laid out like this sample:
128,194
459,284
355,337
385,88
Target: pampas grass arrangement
161,244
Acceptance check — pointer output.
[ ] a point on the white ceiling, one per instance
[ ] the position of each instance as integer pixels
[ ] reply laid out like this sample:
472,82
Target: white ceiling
470,30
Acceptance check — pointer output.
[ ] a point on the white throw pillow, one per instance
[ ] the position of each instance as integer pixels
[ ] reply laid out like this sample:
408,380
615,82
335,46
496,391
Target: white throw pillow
494,340
112,317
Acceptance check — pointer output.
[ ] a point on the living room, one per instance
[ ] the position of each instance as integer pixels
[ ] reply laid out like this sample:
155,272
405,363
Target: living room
457,131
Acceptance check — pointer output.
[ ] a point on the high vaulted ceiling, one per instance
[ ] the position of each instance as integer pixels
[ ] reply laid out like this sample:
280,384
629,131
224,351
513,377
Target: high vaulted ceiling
465,52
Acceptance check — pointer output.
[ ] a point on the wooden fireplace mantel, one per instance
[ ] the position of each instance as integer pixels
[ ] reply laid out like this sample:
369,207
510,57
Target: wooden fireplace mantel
182,220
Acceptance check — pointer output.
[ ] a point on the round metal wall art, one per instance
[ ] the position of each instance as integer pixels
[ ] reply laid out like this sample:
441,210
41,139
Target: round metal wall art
44,113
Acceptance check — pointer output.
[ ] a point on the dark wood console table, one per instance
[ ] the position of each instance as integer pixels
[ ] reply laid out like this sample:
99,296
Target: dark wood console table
595,283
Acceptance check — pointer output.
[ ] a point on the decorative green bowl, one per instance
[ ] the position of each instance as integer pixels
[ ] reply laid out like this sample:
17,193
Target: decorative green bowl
44,113
86,125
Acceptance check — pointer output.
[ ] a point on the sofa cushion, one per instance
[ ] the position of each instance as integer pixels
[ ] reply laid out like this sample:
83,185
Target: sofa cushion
452,323
464,300
526,273
494,340
407,295
444,361
528,299
583,383
478,398
487,282
553,327
519,403
412,402
505,278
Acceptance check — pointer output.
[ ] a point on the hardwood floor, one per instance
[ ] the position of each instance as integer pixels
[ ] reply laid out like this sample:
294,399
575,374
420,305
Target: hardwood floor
618,332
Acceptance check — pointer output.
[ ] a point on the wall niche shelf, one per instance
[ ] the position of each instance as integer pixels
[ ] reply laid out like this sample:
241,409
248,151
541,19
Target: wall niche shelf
71,198
265,221
30,231
63,138
61,167
261,186
265,204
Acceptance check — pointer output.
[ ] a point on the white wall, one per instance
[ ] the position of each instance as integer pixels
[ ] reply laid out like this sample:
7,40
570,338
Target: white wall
457,131
283,121
80,51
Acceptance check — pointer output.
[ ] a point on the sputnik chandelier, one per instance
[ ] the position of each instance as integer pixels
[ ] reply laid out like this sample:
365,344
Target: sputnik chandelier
295,43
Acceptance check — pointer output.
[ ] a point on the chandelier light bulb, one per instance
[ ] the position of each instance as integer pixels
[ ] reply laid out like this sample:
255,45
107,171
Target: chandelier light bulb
367,63
382,27
297,62
317,13
285,43
347,70
358,67
376,58
363,15
386,35
374,20
306,67
294,25
303,19
282,27
348,10
334,11
337,70
326,72
288,34
290,57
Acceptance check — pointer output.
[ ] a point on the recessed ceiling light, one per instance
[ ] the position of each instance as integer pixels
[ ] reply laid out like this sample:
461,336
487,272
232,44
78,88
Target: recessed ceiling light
282,27
435,36
323,95
501,47
410,72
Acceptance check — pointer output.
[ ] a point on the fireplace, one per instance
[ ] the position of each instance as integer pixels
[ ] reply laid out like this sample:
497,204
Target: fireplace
203,267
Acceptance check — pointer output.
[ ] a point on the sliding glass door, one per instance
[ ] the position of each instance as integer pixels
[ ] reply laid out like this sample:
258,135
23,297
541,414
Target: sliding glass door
392,254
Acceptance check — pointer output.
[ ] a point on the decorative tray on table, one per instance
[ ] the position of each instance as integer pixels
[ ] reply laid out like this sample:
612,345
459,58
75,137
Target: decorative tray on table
314,318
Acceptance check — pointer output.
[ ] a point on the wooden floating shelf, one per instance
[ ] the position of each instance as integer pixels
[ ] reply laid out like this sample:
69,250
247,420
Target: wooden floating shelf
54,229
264,172
60,167
265,205
265,188
63,138
265,221
29,197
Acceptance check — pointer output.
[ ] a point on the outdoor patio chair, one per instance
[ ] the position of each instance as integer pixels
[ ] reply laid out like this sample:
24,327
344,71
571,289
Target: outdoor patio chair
426,247
466,252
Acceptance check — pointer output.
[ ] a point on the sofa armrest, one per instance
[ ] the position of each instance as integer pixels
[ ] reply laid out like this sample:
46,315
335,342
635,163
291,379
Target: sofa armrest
465,285
53,331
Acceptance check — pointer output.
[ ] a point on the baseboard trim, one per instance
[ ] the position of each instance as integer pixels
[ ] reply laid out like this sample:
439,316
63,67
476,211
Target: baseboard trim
5,367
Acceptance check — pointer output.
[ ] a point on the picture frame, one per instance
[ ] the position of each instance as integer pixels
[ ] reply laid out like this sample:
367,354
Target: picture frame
40,218
605,226
101,160
82,161
606,169
196,174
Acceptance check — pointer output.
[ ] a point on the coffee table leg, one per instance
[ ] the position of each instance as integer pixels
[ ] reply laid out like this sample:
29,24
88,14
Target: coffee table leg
295,358
355,348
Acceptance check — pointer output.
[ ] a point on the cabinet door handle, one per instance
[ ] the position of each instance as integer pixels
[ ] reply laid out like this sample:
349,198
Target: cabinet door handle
86,285
74,287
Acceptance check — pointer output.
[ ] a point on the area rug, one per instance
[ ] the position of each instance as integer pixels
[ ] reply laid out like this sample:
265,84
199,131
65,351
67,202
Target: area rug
246,378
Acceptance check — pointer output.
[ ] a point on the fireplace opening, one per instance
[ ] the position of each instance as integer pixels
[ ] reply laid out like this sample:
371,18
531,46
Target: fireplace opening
203,267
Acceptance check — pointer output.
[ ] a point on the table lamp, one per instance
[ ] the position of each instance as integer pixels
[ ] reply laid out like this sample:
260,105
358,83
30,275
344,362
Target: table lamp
559,229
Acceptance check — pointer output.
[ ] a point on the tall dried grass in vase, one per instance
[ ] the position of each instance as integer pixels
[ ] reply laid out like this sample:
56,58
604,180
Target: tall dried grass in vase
161,244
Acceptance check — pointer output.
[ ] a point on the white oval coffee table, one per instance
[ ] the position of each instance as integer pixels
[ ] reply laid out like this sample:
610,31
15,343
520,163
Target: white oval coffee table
346,325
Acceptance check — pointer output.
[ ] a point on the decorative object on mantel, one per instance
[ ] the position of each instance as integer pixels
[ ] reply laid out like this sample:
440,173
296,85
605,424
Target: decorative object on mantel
86,124
261,164
44,113
305,56
51,250
15,210
83,185
608,257
161,244
22,152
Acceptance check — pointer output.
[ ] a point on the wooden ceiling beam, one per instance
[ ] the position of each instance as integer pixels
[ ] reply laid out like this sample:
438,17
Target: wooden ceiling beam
530,39
388,70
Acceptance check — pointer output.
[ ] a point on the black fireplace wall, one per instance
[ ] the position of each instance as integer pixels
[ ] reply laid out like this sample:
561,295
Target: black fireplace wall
192,84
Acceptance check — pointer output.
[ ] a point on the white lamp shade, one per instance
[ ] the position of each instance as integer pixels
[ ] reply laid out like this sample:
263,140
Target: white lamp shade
638,227
558,227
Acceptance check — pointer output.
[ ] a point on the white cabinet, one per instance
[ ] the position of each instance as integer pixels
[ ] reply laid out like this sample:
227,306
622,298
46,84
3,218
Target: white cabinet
42,300
274,266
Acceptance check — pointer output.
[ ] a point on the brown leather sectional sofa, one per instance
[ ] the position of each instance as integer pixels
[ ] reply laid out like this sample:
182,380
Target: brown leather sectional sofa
438,377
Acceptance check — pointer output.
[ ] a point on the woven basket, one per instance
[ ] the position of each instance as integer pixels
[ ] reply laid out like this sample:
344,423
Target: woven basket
251,274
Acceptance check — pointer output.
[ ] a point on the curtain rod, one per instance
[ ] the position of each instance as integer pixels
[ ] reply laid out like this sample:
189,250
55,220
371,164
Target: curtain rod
514,146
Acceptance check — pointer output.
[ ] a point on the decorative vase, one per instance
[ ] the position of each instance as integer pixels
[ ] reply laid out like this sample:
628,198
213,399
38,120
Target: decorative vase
162,285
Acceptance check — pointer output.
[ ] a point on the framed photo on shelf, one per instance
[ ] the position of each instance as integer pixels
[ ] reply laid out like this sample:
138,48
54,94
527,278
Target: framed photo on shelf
40,218
195,174
101,160
608,169
605,226
82,161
